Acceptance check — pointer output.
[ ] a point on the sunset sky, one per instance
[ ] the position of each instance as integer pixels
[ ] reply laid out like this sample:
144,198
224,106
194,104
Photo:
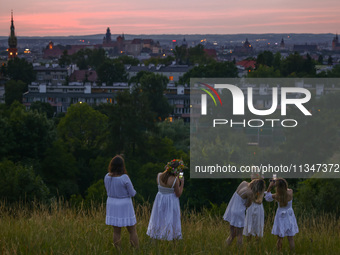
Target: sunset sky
83,17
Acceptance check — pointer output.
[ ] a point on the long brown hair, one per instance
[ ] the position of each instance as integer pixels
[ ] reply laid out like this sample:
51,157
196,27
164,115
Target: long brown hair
117,166
257,187
166,174
281,191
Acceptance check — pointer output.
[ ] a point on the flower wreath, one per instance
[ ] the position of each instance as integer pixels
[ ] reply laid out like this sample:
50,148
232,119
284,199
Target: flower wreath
175,170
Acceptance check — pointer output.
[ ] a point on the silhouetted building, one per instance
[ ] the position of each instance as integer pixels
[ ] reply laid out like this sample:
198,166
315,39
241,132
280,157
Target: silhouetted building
107,37
282,44
245,49
12,41
305,47
335,43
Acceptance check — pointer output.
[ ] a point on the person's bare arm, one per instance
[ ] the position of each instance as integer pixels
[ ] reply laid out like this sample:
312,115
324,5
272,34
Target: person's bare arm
179,186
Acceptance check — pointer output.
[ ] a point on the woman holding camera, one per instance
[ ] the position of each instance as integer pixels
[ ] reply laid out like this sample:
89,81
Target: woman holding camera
285,222
165,220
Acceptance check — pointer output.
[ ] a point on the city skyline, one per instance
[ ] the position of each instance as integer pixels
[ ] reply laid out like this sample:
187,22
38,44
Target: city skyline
74,17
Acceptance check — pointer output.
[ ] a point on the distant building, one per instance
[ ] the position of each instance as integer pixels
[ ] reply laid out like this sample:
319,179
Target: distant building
335,43
84,76
282,44
173,72
56,51
305,47
247,48
51,74
107,37
60,97
12,41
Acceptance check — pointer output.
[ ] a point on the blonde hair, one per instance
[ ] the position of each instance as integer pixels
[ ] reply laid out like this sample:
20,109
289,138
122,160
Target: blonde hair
281,191
257,187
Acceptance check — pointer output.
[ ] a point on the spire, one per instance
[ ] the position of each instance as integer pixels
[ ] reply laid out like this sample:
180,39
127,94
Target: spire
12,25
12,40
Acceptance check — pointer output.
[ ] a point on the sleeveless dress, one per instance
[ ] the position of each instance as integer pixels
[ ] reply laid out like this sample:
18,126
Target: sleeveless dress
254,221
235,212
285,222
165,220
119,207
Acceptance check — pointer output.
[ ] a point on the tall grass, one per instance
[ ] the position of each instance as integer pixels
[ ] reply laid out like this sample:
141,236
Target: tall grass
62,229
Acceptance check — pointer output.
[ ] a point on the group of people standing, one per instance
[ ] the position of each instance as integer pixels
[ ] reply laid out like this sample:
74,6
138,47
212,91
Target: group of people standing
165,220
244,213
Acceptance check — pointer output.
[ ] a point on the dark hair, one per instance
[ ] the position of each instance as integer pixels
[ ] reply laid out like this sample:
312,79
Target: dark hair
117,166
166,174
281,191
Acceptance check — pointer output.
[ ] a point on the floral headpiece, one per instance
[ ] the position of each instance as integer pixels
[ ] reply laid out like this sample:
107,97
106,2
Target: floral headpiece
175,170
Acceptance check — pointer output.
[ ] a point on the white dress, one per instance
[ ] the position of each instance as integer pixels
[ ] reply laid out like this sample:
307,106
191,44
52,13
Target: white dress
165,220
254,221
285,222
235,212
119,207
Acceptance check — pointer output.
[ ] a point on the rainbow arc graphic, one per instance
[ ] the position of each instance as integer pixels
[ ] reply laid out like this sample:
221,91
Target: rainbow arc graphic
204,98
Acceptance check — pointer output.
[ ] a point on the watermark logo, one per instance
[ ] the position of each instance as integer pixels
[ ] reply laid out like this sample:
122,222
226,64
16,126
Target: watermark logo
303,96
204,98
238,99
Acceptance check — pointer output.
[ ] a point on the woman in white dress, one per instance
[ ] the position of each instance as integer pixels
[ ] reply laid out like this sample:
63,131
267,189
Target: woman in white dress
235,212
119,207
285,222
165,220
254,221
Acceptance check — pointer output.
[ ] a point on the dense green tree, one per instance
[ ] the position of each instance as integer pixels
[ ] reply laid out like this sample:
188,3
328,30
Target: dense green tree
110,71
296,66
153,86
59,170
19,69
180,53
265,58
330,60
83,128
335,72
42,107
6,137
178,132
32,133
212,70
277,60
159,61
264,72
20,183
197,55
322,195
127,60
65,59
14,91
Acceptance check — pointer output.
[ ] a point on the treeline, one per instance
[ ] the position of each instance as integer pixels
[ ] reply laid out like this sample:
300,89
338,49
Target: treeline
269,65
43,156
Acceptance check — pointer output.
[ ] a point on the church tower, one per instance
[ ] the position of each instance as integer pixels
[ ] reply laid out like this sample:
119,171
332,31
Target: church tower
335,42
282,44
12,42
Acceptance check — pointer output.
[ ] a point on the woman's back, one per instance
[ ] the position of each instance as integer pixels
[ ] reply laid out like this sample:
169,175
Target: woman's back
119,186
165,220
